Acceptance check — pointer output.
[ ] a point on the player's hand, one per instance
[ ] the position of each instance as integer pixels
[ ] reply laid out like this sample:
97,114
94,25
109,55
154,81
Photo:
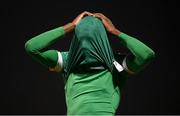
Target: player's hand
80,16
107,23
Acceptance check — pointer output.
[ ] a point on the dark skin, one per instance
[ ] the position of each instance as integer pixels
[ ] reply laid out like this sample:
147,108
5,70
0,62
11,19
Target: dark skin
106,21
70,26
133,60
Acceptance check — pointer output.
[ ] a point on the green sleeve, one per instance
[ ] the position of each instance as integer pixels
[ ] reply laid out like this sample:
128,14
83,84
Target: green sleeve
36,45
142,54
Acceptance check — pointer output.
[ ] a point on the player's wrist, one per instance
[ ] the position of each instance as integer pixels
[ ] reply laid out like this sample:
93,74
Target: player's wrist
116,32
69,27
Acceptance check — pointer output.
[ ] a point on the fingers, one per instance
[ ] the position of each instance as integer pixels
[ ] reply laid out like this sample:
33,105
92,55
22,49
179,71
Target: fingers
86,13
99,15
80,16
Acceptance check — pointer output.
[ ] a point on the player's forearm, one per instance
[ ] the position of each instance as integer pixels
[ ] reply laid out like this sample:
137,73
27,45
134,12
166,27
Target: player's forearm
69,27
47,38
44,40
141,52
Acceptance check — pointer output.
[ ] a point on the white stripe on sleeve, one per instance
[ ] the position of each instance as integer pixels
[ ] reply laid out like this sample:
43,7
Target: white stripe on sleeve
124,64
60,61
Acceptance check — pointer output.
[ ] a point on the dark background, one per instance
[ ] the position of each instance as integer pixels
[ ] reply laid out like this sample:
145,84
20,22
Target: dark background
29,88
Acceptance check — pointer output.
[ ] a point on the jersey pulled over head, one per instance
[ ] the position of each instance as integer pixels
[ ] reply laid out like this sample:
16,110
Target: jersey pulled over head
90,46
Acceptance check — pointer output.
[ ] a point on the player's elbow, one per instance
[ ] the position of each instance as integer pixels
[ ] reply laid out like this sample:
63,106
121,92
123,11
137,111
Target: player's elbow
29,47
150,55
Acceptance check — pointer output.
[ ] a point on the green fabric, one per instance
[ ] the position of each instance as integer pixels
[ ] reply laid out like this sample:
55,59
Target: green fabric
35,47
90,46
93,92
142,54
89,91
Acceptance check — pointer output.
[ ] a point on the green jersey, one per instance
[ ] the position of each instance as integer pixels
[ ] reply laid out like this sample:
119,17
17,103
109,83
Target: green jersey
89,65
90,92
